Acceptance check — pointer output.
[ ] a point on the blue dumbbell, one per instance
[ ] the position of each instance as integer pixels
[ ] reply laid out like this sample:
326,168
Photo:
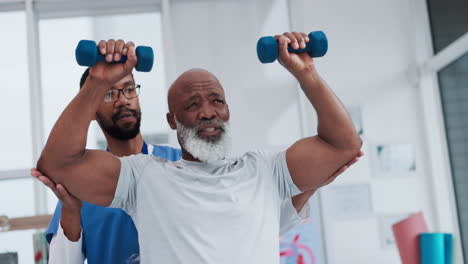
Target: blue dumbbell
267,47
87,54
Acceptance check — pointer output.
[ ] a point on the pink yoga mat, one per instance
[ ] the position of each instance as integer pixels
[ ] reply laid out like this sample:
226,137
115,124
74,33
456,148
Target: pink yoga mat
407,237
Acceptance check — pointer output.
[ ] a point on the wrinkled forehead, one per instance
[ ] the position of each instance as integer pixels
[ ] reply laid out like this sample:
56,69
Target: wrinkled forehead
203,87
189,89
195,83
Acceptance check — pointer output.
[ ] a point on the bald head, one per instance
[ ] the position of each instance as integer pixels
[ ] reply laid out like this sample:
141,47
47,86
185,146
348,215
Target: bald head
195,96
199,112
189,82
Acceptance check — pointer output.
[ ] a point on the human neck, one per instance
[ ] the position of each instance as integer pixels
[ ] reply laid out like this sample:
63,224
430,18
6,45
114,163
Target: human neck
122,148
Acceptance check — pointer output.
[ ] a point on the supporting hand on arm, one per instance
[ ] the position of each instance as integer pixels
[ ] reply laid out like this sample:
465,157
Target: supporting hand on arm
70,218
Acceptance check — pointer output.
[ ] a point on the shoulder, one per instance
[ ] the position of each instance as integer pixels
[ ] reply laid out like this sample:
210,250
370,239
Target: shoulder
259,155
139,161
135,158
254,157
263,157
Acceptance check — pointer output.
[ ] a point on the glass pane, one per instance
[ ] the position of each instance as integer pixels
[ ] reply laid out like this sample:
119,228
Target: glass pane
15,135
153,84
16,196
16,200
453,82
449,20
61,74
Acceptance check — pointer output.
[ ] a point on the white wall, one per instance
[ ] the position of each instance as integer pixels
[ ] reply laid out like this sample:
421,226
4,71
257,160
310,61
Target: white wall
371,48
221,37
372,45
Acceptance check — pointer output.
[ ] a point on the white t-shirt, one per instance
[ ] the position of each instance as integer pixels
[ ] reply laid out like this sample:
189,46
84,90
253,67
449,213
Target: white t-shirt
226,211
62,250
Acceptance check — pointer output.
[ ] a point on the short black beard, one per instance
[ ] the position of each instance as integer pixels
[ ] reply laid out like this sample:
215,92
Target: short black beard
117,132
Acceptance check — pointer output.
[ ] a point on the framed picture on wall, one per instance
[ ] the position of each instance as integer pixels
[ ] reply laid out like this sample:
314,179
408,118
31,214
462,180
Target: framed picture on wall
387,239
348,201
393,160
356,115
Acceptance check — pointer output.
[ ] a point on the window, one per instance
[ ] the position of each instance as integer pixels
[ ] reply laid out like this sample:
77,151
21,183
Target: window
16,129
453,82
60,26
449,21
16,196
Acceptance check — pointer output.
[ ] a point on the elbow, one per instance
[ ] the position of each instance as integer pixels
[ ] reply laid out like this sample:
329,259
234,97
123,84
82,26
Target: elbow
357,144
47,168
354,146
41,164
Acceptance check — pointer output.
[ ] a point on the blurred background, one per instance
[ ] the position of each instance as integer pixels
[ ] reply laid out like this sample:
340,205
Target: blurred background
399,66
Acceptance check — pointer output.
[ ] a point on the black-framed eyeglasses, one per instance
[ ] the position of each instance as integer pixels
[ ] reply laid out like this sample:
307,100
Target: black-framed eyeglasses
129,92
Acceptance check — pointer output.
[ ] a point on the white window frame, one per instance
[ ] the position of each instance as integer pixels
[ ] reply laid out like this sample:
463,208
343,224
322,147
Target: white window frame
424,73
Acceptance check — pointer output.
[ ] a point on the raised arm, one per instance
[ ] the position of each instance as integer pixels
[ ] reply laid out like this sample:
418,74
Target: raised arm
90,175
312,160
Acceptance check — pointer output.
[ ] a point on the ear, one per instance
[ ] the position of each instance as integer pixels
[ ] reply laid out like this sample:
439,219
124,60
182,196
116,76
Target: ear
228,112
171,120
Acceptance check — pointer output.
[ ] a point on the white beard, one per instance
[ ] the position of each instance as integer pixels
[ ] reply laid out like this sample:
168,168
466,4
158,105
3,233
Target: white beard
202,149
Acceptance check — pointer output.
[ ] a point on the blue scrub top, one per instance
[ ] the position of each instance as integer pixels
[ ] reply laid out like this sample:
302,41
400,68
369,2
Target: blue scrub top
109,234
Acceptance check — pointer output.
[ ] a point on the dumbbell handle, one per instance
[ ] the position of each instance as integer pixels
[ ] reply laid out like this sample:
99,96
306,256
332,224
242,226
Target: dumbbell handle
316,47
291,50
102,58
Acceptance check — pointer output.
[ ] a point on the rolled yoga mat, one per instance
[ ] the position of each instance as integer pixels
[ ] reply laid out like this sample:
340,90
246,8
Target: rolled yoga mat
432,247
407,234
448,248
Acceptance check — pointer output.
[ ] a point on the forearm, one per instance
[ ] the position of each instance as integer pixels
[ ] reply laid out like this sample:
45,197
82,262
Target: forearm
70,222
67,140
335,126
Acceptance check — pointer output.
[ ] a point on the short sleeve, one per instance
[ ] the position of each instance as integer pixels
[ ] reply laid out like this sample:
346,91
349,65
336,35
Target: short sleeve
304,213
289,218
63,250
276,163
131,169
285,184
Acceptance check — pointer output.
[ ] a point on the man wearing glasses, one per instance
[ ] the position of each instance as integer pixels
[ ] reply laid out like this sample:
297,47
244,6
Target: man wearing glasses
100,234
108,235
